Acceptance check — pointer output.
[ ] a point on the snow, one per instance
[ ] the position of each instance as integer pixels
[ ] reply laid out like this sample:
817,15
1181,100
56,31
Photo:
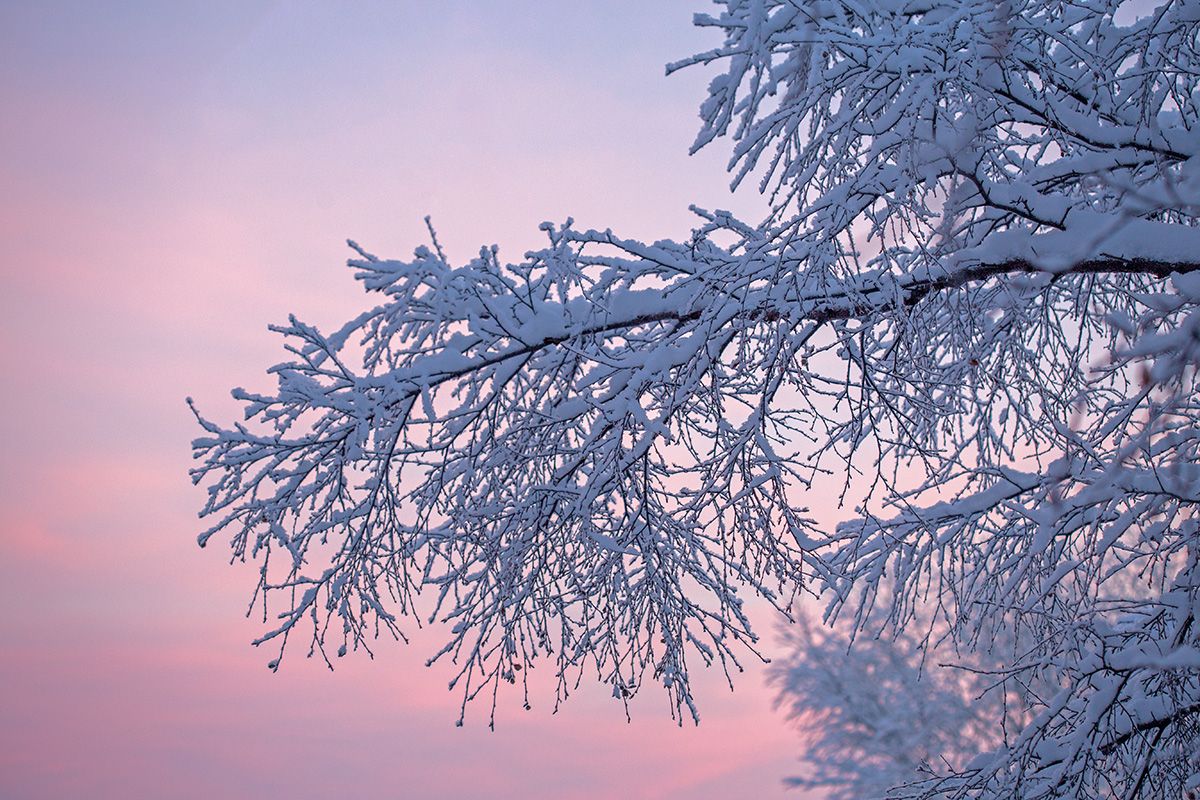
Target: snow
977,295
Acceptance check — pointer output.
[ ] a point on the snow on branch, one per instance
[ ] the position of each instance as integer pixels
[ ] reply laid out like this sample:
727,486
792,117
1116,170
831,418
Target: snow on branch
975,307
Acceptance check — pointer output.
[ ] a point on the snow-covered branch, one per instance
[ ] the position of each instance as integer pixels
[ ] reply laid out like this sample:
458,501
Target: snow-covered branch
975,306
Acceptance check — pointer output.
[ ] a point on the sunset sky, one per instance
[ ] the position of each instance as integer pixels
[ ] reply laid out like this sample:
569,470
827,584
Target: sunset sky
173,177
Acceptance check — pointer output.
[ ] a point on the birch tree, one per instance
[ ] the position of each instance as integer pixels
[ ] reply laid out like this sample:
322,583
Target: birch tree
976,299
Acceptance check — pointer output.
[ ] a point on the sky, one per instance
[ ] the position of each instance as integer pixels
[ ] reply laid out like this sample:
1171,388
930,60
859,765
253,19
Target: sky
173,178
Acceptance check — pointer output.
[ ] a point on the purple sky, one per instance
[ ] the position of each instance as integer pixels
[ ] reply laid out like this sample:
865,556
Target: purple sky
174,177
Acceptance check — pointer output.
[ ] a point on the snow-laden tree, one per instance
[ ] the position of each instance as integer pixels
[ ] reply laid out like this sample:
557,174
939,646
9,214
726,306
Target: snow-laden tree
977,299
883,712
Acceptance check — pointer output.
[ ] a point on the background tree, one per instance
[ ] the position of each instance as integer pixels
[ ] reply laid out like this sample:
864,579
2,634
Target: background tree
881,713
977,292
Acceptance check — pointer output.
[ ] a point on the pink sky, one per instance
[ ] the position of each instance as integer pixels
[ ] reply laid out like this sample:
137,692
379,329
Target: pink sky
174,177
